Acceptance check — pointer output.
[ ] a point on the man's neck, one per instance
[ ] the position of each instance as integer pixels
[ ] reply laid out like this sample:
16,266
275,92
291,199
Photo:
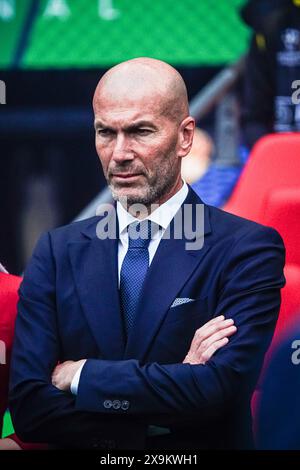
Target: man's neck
144,210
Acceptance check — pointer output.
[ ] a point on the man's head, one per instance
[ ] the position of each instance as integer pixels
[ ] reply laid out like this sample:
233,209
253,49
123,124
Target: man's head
143,129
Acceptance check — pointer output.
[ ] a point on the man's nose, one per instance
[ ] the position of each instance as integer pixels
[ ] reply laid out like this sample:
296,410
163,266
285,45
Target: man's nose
122,149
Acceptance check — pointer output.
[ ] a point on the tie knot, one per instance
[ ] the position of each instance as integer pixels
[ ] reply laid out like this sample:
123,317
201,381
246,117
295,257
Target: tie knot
140,233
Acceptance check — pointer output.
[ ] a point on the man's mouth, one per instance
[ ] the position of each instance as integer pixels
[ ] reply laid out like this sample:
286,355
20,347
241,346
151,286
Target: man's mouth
126,176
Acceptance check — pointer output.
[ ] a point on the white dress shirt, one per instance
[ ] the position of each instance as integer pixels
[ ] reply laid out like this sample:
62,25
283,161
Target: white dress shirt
161,216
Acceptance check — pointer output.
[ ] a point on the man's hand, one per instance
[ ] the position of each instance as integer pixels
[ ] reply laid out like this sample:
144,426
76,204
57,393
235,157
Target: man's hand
208,339
9,444
63,374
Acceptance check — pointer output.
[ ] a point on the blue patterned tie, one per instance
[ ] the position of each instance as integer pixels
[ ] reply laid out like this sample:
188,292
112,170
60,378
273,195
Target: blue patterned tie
134,269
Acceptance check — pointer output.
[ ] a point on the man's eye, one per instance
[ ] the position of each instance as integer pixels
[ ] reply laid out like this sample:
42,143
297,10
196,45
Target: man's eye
104,132
143,131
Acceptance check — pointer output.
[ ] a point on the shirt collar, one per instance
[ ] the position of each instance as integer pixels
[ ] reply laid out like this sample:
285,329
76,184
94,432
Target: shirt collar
161,216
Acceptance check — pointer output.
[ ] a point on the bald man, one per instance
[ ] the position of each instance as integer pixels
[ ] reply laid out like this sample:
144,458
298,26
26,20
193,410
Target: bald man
146,326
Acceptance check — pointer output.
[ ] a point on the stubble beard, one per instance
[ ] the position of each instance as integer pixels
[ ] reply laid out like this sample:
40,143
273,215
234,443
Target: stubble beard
157,186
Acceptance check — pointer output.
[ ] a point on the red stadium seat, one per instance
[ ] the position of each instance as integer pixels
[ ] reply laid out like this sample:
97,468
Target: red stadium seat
282,211
290,306
274,163
268,192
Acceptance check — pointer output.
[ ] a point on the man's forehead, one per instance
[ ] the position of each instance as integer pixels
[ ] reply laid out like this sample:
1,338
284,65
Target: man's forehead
129,96
126,118
128,108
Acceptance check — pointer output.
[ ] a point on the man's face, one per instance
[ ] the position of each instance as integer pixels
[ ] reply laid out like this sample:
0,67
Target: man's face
136,145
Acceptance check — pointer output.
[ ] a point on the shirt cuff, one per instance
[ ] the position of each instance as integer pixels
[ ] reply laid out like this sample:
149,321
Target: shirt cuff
75,381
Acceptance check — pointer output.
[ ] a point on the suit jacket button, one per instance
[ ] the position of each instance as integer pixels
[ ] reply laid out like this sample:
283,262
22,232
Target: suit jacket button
107,404
116,404
125,405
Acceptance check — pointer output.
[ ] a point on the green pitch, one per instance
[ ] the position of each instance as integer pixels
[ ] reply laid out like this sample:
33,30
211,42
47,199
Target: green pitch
11,23
7,425
81,33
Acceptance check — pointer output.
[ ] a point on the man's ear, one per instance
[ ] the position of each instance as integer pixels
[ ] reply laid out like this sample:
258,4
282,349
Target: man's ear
186,134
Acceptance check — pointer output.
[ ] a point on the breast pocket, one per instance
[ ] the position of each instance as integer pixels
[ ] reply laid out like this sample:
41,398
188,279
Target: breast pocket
178,329
195,311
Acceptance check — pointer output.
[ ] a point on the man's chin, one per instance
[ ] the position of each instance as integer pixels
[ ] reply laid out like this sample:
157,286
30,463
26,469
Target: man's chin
129,197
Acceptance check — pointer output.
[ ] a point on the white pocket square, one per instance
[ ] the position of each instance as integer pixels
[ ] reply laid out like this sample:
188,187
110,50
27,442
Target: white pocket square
181,300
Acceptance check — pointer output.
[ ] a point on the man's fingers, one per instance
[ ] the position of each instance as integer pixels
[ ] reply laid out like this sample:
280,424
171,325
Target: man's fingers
208,353
219,335
63,374
213,320
199,357
209,329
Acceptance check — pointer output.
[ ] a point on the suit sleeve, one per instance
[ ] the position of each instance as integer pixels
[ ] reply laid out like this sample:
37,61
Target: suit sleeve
41,412
250,294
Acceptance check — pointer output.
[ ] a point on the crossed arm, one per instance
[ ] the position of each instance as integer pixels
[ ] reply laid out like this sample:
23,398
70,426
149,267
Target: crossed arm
207,340
45,413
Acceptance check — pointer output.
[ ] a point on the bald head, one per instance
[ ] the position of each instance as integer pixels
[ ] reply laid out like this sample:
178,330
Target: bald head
143,130
141,79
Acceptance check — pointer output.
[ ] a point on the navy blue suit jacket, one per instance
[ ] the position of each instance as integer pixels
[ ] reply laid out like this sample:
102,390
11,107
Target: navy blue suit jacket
69,310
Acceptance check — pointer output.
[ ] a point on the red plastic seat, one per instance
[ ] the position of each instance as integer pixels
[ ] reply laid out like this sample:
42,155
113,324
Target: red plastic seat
282,211
290,306
268,192
274,163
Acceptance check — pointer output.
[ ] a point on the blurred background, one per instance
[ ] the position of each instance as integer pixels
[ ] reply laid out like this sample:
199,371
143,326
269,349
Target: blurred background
52,54
241,64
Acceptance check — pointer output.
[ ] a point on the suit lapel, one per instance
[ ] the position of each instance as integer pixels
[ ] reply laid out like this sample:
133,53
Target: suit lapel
95,270
171,267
